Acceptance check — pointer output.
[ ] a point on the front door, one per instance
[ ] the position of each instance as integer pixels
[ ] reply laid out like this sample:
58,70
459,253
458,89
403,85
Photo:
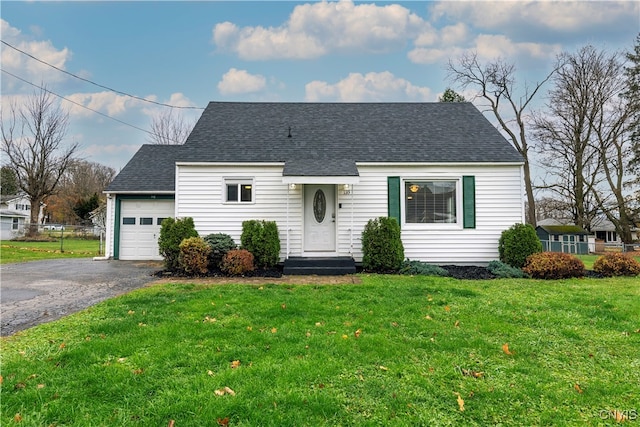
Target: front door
319,218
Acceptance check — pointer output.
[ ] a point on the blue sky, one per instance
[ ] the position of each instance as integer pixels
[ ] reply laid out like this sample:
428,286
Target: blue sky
189,53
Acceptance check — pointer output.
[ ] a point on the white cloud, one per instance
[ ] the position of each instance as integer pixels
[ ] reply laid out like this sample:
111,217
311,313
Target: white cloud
237,81
490,47
561,16
370,87
109,103
313,30
28,68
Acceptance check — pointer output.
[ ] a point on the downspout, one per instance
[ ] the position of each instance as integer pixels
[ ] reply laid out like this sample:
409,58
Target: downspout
351,232
288,196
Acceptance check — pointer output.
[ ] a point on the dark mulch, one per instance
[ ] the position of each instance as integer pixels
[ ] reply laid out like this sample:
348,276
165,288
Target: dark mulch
469,272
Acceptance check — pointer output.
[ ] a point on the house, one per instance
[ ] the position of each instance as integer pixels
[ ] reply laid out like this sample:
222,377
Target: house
570,239
14,215
321,171
606,234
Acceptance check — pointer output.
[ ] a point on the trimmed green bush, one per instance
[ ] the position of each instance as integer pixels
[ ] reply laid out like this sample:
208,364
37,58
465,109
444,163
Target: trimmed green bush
504,271
553,265
616,264
220,244
172,233
237,262
194,255
262,240
382,249
419,268
517,243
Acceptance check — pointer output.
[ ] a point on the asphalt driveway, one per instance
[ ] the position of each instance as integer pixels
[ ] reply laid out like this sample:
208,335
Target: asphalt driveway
41,291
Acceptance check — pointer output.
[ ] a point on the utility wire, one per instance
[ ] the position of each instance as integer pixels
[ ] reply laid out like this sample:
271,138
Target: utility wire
78,104
94,83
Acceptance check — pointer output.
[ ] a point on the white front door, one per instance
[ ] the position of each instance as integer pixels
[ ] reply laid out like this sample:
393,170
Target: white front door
319,218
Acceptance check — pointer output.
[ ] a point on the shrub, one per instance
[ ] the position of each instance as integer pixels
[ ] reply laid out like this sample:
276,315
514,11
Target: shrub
237,262
419,268
382,248
553,265
262,240
517,243
504,271
172,233
220,244
194,255
616,264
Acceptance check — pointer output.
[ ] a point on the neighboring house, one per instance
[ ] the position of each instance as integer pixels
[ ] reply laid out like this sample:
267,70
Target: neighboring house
605,232
321,171
570,239
15,211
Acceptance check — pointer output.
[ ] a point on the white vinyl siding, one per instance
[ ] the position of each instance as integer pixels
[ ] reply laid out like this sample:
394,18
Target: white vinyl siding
499,204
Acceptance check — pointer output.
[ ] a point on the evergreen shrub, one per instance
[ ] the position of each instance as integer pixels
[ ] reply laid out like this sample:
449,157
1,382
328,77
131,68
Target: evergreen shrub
261,238
382,249
419,268
220,244
504,271
517,243
172,233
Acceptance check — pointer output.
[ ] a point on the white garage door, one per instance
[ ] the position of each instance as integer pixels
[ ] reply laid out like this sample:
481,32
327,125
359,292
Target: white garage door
140,222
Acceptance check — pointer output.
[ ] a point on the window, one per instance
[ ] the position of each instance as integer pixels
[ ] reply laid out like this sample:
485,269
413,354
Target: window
146,221
239,191
128,221
556,237
15,224
159,221
430,202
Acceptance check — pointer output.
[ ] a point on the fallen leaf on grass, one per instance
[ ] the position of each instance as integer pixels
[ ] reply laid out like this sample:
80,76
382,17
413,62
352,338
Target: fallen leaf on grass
457,324
460,402
210,319
17,417
577,387
274,330
428,317
471,373
223,391
344,337
505,348
235,364
383,368
210,373
447,308
223,421
63,345
284,306
172,423
357,333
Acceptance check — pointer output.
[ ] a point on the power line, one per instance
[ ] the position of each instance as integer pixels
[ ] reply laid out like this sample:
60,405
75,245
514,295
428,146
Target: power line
94,83
78,104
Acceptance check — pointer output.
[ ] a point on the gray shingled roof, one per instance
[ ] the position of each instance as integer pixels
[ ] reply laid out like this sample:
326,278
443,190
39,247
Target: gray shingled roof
151,170
326,137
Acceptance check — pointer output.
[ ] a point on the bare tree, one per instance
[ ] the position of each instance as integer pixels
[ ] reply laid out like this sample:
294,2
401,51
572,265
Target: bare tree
495,83
33,143
81,181
584,137
168,128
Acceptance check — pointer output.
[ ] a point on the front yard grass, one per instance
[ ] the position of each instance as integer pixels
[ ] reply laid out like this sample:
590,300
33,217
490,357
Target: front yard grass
18,251
393,350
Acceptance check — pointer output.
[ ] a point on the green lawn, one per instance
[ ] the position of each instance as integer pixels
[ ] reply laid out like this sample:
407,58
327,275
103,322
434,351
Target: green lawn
588,260
393,350
14,251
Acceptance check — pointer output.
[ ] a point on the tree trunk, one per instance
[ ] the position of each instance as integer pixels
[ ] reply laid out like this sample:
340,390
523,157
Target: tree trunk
531,202
32,230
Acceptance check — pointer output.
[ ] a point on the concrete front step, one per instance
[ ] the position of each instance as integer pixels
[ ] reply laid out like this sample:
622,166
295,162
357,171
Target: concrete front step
321,266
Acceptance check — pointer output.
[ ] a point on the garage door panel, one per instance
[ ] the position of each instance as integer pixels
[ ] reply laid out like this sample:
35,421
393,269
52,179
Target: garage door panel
140,227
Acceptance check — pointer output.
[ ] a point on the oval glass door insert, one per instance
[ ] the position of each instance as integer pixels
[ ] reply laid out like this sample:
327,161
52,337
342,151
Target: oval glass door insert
319,206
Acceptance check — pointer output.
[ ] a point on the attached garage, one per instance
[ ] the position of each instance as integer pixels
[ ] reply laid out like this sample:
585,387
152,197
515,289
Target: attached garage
139,222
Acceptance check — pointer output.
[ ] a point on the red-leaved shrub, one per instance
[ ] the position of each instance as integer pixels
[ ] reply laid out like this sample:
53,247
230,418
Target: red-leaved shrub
553,265
616,264
237,262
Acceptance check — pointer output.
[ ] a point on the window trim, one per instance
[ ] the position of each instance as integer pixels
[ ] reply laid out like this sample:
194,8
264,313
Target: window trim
457,225
238,181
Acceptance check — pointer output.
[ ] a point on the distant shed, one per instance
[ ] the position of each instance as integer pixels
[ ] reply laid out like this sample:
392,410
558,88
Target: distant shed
570,239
